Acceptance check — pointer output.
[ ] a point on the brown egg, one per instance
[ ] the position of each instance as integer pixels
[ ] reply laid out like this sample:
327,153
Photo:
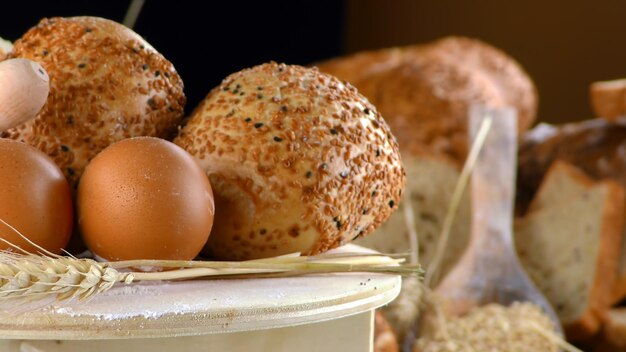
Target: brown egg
35,199
145,198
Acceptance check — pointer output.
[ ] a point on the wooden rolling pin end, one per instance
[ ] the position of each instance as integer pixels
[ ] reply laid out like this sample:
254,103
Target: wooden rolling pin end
24,88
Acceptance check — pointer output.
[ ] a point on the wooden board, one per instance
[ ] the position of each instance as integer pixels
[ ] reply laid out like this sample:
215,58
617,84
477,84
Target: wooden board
169,309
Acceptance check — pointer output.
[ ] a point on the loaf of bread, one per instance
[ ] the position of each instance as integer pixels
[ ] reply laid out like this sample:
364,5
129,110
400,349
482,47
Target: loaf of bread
106,84
569,244
425,91
608,99
595,146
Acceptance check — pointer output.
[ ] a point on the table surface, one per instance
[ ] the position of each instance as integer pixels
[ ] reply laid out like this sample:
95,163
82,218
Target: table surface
183,308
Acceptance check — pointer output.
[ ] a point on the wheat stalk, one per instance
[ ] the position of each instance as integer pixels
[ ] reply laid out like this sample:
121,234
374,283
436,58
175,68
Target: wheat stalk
31,276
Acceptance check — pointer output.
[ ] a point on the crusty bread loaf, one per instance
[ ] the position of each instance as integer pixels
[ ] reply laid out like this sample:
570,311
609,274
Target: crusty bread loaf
569,244
425,91
595,146
608,99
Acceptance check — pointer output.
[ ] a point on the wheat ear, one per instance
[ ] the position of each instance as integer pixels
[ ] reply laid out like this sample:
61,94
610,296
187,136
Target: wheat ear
31,276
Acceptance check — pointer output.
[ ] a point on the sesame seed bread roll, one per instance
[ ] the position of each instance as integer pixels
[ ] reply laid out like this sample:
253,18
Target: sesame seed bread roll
298,161
106,84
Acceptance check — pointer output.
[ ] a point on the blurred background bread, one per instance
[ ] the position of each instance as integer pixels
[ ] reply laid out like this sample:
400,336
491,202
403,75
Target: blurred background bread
425,91
569,243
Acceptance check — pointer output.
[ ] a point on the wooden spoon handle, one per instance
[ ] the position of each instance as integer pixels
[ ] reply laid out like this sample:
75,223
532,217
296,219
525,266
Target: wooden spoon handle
24,88
493,179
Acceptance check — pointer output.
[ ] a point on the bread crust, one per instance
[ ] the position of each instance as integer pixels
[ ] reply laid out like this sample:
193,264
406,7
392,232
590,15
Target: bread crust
588,323
298,161
425,91
106,84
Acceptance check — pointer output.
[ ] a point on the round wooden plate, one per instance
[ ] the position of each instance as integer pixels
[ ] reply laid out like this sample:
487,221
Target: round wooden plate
182,308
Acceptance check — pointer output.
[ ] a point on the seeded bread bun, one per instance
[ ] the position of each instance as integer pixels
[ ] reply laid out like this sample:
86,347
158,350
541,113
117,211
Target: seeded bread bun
106,84
425,91
298,161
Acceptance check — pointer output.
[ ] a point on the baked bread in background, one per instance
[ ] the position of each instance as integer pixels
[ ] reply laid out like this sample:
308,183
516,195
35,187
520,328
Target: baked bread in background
298,162
106,84
569,243
425,91
608,99
594,146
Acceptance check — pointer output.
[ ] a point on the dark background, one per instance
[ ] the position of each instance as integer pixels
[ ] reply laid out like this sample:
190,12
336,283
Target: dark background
204,43
564,45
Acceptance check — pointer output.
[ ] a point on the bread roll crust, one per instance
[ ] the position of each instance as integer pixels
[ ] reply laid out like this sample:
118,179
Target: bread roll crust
298,161
106,84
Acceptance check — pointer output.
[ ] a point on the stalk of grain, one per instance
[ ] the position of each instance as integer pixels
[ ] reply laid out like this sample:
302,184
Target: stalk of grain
31,276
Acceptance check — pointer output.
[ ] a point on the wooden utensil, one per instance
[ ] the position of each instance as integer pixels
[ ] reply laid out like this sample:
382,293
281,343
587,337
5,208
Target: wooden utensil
489,271
24,88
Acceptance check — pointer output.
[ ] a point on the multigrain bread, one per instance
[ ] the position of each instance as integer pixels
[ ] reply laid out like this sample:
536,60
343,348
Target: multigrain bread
594,146
608,99
298,161
425,91
106,84
569,244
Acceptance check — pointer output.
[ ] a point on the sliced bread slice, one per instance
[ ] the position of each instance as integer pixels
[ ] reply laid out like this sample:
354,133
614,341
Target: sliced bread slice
563,183
570,247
